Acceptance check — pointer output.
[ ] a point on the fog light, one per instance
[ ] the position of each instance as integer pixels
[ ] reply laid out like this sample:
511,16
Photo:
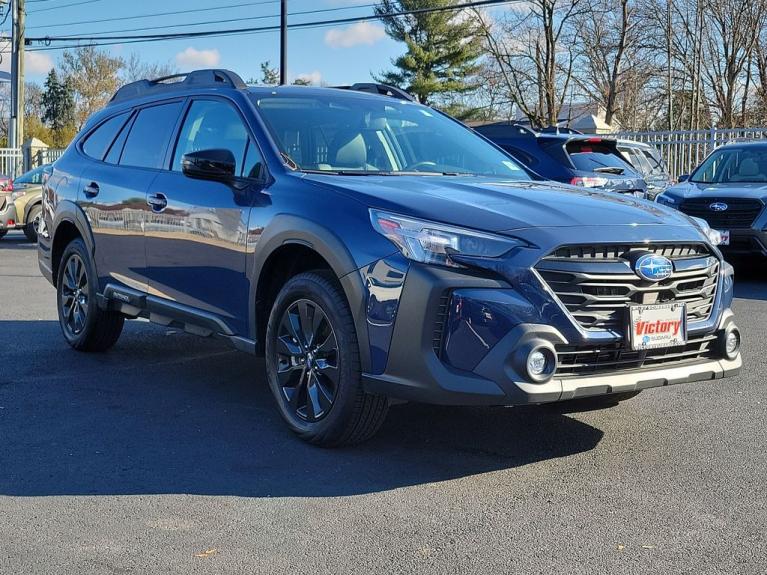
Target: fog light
536,363
540,361
732,344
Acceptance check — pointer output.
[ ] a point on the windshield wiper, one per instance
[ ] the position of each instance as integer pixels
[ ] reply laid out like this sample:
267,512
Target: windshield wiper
610,170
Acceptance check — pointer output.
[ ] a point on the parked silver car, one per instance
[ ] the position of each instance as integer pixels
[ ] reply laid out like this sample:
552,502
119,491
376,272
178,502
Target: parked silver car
647,161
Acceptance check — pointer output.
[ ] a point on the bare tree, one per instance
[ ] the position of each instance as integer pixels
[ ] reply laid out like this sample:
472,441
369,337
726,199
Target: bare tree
531,55
608,41
730,41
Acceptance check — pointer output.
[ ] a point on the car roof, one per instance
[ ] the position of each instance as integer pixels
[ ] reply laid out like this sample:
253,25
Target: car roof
735,145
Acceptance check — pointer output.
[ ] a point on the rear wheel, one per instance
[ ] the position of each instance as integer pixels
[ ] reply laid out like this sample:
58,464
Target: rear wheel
313,365
33,223
84,325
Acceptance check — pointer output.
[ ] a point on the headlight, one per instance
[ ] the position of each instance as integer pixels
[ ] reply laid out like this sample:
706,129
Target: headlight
665,200
714,237
433,243
16,195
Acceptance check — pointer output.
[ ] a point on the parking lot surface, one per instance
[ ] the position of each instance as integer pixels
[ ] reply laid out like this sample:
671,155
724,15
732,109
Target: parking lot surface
166,455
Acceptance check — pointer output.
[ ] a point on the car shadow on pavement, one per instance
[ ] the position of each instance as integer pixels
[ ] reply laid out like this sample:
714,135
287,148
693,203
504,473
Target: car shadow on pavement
17,242
751,278
165,412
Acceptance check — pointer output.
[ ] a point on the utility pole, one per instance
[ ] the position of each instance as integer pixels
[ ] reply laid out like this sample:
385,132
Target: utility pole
16,125
283,42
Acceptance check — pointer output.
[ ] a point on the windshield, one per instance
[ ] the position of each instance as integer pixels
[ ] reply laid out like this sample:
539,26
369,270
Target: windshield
741,165
351,135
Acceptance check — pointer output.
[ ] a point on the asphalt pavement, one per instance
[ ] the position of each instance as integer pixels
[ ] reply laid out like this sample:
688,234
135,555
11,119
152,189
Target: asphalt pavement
166,455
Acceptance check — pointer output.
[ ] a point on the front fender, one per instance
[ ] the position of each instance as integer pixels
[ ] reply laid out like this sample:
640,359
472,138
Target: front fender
289,229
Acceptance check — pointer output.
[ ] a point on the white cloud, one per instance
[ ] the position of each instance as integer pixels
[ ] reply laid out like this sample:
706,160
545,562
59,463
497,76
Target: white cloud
314,78
37,63
193,58
354,35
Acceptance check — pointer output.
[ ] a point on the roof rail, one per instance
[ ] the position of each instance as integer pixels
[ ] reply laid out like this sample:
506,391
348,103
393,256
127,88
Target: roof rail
559,130
383,89
197,79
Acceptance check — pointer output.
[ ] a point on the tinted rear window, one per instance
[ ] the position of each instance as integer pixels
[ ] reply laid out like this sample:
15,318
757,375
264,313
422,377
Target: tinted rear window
595,156
148,138
98,142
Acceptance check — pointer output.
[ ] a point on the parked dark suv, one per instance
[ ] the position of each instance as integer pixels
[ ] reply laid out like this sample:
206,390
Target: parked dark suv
568,157
372,248
729,191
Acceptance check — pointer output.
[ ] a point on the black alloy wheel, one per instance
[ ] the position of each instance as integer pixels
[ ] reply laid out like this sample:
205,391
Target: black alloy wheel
74,296
313,364
85,326
307,360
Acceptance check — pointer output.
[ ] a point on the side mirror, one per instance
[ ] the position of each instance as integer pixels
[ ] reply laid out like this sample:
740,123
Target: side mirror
684,178
217,164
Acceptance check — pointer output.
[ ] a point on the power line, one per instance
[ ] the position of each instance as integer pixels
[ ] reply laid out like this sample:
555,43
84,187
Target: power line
62,6
228,20
200,34
156,14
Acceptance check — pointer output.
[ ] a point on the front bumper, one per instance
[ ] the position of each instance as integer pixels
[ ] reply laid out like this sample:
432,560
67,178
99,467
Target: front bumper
480,366
746,242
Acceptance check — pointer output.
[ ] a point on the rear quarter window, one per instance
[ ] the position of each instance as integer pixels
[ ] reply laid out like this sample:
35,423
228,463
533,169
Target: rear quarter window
98,141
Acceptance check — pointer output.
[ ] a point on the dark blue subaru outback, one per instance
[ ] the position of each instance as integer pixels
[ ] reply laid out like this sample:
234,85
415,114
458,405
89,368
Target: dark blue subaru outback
374,250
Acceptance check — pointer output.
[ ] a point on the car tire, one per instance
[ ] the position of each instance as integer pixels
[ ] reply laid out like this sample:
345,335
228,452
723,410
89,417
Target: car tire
313,364
3,233
33,223
85,326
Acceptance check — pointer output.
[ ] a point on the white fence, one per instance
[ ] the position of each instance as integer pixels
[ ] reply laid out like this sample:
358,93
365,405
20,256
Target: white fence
11,162
684,150
14,161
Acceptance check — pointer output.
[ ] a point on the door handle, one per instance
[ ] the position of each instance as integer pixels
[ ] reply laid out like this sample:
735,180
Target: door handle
91,190
158,202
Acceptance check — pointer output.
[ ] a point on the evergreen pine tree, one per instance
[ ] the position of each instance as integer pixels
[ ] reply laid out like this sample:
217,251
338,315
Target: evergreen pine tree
443,49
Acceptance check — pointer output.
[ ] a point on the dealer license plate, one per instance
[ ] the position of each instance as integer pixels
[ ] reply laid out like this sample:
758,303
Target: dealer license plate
657,325
725,234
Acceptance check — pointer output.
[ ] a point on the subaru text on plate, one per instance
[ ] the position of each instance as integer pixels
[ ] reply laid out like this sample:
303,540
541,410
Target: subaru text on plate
373,249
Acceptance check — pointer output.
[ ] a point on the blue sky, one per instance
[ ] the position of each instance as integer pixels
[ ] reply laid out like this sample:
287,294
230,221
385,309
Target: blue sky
334,55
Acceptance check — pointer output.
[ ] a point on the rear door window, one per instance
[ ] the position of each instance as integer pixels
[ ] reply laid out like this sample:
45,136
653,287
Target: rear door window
149,136
596,157
99,140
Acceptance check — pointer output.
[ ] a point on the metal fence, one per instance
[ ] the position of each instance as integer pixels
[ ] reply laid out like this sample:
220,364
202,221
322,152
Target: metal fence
684,150
15,161
11,162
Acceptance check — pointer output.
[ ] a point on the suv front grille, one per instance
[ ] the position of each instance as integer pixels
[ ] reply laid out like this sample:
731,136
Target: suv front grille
740,212
579,361
596,284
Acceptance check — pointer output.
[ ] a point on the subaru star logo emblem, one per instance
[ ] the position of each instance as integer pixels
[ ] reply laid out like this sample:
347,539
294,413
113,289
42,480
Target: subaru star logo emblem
653,268
718,207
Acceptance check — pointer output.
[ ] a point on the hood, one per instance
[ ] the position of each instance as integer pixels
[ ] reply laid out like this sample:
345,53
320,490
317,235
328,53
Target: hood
691,190
493,205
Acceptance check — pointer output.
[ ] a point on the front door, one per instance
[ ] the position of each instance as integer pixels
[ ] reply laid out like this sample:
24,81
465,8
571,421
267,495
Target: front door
197,229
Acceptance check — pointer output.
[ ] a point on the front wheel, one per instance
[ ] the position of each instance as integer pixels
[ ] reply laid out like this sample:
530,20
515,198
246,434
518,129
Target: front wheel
33,223
313,364
84,325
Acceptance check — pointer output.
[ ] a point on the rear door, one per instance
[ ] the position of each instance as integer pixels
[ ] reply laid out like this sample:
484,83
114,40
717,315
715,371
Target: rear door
197,231
126,151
